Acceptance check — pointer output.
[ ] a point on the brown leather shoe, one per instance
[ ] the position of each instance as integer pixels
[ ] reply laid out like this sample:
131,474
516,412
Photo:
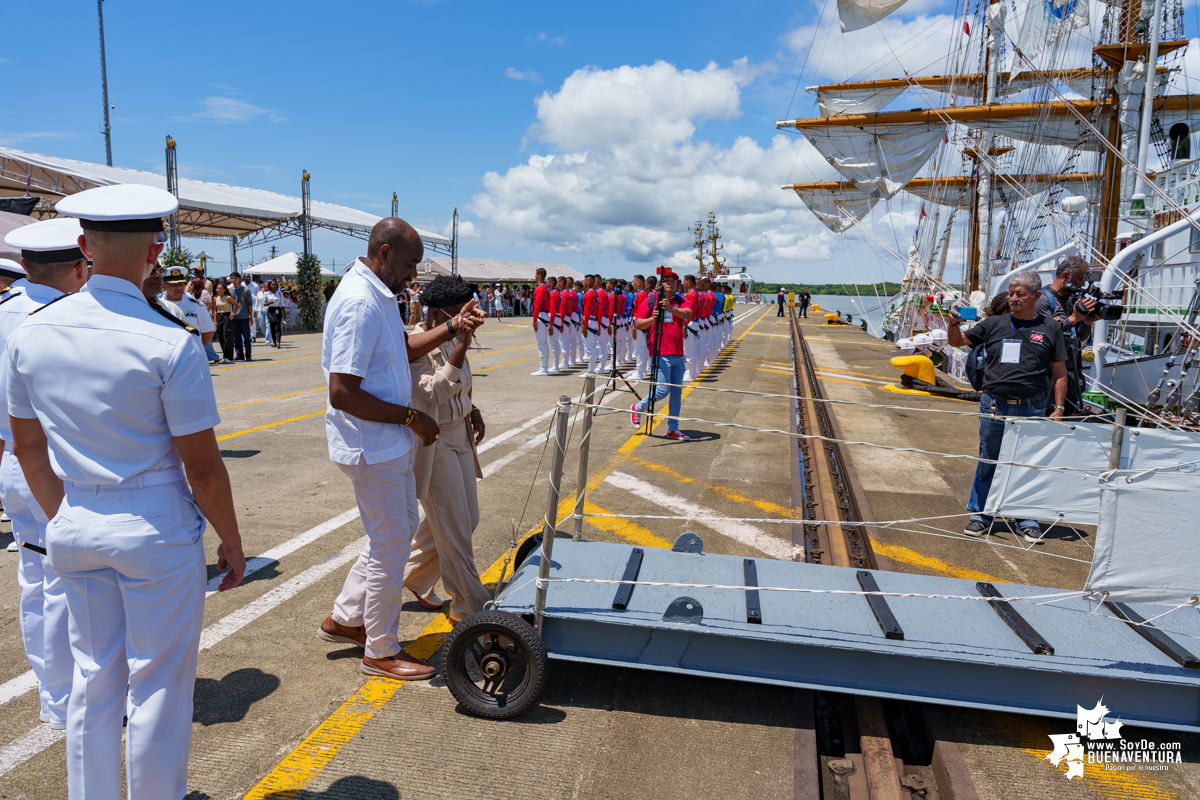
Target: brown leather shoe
334,632
401,666
430,606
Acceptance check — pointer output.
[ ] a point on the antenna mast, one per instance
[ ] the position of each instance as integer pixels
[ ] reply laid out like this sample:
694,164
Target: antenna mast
454,245
699,243
104,87
173,188
714,234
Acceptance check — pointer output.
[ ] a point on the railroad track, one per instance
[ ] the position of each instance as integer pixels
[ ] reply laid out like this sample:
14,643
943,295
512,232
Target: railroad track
850,747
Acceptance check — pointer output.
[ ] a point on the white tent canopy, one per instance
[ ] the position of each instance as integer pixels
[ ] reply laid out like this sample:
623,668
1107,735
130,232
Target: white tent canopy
205,209
284,265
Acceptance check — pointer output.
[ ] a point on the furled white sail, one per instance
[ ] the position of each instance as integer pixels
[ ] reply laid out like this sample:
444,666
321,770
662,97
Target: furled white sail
859,14
1039,129
856,101
838,209
878,159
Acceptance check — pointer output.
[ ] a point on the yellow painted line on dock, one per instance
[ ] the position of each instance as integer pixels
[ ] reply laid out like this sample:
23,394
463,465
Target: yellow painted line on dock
507,363
852,341
477,354
622,528
269,425
724,491
911,557
264,363
276,397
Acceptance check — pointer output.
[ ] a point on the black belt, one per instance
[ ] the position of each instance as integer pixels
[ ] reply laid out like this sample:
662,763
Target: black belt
1017,401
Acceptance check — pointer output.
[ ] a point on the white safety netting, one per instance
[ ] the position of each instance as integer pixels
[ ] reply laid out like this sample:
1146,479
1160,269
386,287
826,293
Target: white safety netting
1045,494
1145,544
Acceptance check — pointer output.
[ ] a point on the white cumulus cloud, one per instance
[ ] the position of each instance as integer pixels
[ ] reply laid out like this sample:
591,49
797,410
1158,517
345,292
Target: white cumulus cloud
466,229
622,172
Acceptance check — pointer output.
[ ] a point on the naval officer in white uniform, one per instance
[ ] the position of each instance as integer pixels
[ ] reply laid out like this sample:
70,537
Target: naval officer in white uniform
111,404
55,266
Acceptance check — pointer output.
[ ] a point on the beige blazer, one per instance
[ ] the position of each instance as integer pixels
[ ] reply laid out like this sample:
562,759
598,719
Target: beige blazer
436,385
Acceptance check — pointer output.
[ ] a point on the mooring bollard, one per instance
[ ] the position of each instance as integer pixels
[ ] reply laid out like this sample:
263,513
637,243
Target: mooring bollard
556,469
589,391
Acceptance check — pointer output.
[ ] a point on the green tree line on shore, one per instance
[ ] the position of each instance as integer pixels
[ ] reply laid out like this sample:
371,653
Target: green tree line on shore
849,289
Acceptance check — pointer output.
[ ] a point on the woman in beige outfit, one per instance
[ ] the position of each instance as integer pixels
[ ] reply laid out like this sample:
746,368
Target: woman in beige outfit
446,470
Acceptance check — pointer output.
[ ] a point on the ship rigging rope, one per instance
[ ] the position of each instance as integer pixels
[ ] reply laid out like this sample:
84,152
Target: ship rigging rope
1100,474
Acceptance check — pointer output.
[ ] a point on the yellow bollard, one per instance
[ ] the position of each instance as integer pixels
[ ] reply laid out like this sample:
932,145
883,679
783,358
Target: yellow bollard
919,367
816,309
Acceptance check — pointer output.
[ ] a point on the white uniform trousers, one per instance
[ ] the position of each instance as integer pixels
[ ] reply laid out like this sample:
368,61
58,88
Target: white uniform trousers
371,596
606,340
443,547
641,349
691,352
132,562
542,335
556,339
43,615
592,345
580,352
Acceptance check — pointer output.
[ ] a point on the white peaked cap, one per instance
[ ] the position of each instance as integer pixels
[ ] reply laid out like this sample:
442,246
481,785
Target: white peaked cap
127,207
11,269
48,240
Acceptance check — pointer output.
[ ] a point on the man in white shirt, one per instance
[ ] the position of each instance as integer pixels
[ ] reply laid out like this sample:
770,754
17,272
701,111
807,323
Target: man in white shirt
112,412
175,280
55,265
370,427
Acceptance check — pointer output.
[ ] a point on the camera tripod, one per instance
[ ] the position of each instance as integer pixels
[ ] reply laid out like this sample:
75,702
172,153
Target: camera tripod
615,374
655,346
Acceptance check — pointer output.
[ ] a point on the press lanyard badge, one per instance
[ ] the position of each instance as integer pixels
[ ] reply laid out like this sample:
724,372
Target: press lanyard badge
1010,351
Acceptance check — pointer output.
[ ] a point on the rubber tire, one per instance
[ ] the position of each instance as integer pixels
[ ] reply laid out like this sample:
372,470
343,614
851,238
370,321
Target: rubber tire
534,656
527,547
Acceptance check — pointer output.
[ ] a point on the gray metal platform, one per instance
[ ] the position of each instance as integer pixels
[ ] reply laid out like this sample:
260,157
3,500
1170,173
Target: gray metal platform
954,652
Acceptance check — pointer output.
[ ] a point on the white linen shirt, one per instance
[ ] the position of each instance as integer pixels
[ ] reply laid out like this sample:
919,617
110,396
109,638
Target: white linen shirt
111,381
23,298
365,337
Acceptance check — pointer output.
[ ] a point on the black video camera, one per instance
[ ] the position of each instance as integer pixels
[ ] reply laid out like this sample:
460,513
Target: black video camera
1105,308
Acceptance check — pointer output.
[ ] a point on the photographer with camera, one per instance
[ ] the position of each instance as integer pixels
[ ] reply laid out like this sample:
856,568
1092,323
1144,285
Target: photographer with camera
1026,359
1067,302
665,339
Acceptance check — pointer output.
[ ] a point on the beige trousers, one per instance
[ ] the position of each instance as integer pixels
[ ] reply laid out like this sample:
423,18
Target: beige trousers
442,548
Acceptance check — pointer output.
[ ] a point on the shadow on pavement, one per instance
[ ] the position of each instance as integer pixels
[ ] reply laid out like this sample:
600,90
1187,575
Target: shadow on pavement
229,699
354,787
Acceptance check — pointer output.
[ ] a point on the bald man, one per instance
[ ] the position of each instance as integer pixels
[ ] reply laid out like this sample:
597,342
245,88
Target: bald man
372,431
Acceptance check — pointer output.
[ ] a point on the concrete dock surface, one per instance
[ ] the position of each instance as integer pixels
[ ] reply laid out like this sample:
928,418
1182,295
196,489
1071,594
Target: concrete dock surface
281,714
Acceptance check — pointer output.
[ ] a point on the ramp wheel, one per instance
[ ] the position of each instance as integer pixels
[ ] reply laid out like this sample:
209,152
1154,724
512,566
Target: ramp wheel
495,665
531,544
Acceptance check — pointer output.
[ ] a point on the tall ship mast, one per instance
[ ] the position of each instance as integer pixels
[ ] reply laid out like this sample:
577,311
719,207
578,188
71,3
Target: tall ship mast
1021,154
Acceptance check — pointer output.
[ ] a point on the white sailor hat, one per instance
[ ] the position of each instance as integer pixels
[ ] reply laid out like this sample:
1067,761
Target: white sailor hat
48,240
127,208
11,269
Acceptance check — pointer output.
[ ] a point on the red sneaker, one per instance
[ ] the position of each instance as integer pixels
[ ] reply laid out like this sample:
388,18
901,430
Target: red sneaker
635,419
679,437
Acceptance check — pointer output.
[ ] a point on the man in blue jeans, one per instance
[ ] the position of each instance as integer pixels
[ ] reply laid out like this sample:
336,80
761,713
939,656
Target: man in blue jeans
241,320
1026,359
671,363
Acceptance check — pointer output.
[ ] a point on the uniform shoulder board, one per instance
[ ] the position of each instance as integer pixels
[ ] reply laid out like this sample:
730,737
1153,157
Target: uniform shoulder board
154,304
52,302
9,295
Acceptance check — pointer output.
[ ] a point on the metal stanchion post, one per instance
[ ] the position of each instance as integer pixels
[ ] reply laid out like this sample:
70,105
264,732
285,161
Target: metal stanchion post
556,470
589,391
1118,438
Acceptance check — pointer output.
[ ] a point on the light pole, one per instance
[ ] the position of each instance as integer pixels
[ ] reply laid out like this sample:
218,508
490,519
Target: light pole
104,86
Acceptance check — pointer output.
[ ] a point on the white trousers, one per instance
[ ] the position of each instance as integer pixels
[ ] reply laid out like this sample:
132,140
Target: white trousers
542,335
592,346
133,565
43,618
606,340
443,548
691,352
641,349
372,594
556,339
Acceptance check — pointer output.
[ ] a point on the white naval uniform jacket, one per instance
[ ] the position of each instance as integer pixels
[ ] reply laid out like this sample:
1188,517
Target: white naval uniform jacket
111,381
443,391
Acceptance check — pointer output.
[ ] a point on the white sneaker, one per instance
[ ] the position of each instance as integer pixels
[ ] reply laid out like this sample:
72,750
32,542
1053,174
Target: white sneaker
553,371
4,516
13,547
540,372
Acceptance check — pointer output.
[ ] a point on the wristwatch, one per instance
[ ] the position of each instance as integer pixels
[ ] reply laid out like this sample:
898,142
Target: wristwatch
1060,408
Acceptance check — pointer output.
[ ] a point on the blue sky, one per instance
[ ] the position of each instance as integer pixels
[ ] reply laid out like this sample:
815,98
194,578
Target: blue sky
651,114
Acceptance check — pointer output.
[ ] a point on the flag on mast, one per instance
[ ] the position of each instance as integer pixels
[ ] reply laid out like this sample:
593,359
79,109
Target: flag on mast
1043,26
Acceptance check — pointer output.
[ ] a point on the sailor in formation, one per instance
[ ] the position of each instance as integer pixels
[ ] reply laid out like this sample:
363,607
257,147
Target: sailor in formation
55,266
105,455
541,321
10,272
580,351
641,352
